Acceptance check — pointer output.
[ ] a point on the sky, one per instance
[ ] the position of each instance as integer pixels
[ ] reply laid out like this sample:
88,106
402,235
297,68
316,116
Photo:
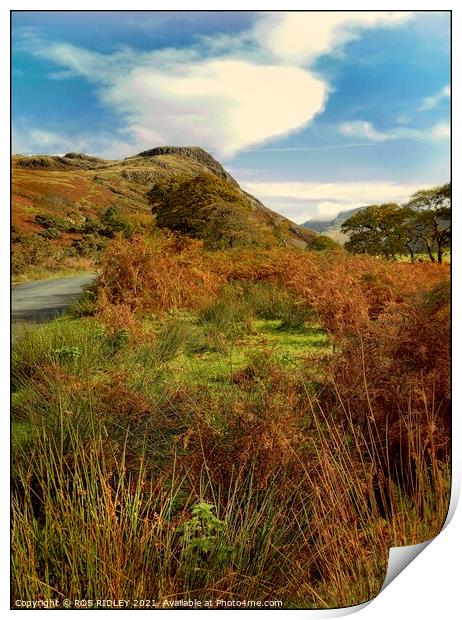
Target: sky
312,112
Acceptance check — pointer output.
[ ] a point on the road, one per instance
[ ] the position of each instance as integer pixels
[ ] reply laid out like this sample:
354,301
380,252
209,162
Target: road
44,300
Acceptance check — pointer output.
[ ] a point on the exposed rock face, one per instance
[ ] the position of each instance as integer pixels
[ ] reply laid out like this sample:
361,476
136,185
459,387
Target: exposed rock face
84,157
70,161
193,152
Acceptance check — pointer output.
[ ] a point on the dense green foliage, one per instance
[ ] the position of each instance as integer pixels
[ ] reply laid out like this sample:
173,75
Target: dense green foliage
431,219
208,208
421,225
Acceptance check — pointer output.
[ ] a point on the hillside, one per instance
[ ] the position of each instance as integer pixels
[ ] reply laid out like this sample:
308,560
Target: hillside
70,205
332,228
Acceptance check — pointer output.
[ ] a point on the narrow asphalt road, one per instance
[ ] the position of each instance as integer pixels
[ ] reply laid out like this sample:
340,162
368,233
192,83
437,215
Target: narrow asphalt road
44,300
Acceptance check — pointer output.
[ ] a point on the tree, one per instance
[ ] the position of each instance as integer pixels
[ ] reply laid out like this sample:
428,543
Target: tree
112,222
430,217
423,224
206,207
179,204
228,226
380,230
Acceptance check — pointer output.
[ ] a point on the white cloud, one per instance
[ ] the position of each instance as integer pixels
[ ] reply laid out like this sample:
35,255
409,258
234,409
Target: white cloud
328,210
225,97
428,103
365,192
441,131
30,140
299,37
365,130
301,201
173,97
35,140
227,105
362,129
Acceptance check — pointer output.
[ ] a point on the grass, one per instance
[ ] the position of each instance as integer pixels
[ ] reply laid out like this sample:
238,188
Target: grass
222,452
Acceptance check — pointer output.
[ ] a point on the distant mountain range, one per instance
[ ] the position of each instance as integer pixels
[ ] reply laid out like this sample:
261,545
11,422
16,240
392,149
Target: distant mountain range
332,228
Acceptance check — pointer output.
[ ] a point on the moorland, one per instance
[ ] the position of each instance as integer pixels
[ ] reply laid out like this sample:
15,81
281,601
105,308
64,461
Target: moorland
238,409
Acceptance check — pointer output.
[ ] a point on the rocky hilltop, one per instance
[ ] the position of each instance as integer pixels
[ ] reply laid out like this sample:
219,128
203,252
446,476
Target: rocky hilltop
195,153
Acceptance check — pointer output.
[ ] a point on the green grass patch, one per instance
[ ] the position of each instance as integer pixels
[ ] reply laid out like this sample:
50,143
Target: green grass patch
216,367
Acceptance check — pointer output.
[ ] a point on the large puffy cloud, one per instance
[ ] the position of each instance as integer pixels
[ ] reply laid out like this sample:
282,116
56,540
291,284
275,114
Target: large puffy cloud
175,97
227,105
223,98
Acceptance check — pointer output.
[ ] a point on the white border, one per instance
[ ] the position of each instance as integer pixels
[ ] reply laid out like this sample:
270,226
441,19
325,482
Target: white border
428,589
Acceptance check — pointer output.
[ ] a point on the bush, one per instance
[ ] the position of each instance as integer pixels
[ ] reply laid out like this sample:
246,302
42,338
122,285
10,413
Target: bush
155,275
90,246
33,251
113,222
394,379
294,316
51,233
52,222
54,202
206,207
322,242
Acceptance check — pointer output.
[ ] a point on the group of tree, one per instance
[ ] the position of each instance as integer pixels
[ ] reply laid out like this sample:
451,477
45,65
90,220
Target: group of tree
205,207
422,225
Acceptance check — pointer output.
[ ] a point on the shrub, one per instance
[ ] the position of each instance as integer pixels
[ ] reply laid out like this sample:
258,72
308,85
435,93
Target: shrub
33,251
52,222
55,202
395,373
321,242
113,222
155,276
90,246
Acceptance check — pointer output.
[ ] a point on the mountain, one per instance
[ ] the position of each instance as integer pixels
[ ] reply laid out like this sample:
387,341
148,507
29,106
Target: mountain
65,198
332,228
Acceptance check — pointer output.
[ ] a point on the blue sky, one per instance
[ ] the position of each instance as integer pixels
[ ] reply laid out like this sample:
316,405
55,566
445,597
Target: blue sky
313,112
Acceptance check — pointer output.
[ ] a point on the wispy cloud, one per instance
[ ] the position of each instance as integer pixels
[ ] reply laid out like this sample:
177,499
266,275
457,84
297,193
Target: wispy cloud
441,131
357,191
29,140
365,129
428,103
323,147
301,200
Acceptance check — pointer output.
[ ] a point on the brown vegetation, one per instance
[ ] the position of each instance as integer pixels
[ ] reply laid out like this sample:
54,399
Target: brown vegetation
267,482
